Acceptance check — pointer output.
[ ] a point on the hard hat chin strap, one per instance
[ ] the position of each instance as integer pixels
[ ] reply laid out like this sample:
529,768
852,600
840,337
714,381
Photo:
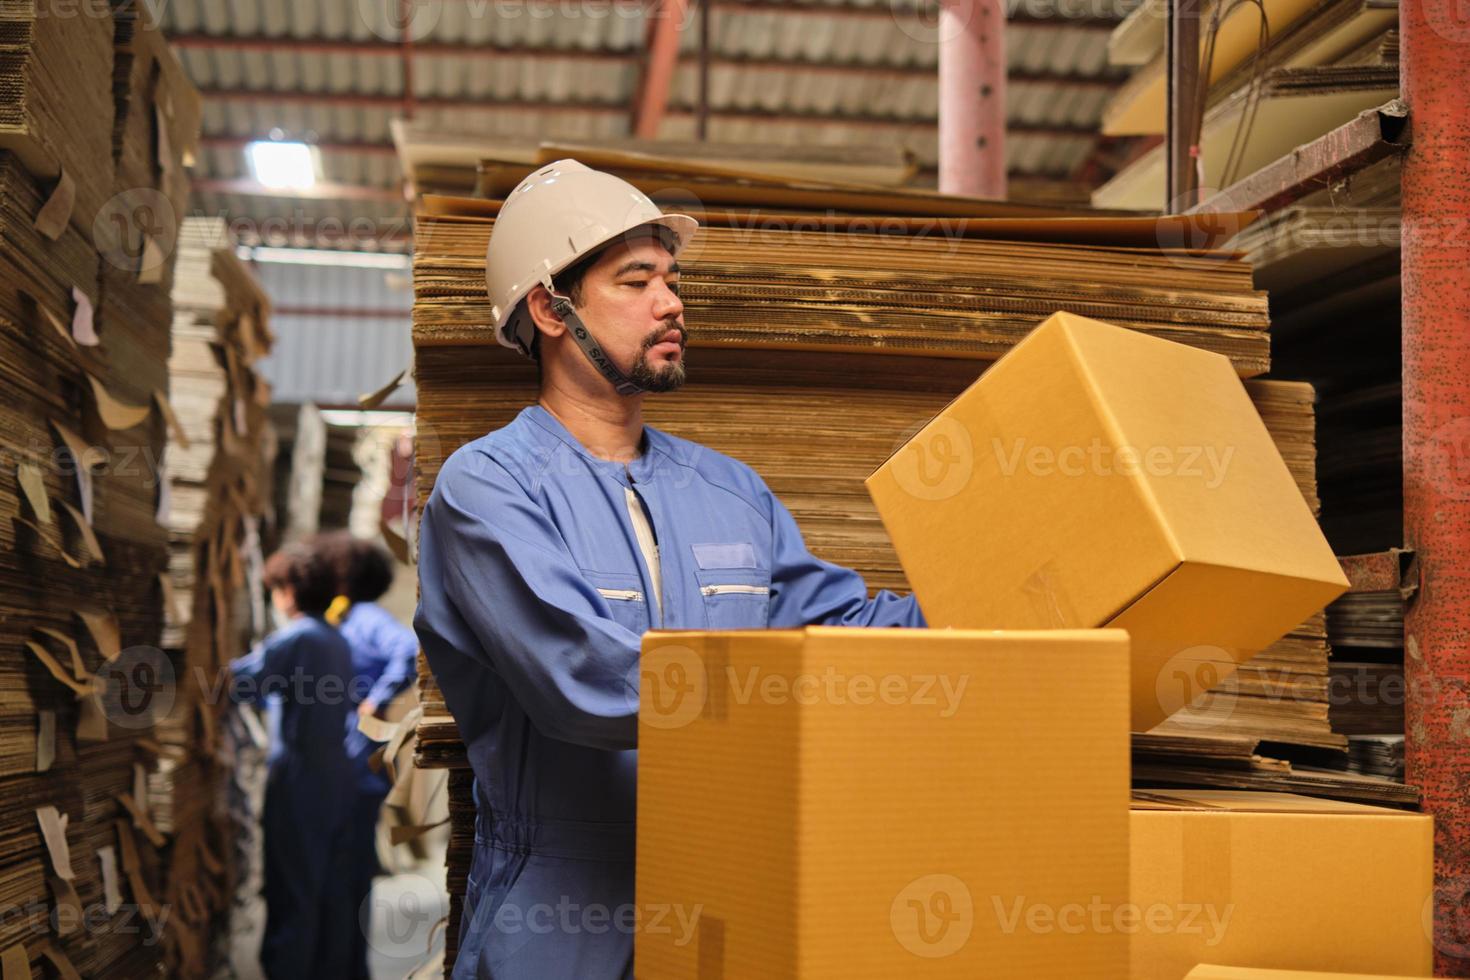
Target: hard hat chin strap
579,332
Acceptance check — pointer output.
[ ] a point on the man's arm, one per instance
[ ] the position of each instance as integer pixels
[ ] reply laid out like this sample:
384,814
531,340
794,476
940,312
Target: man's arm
541,626
806,591
401,646
262,670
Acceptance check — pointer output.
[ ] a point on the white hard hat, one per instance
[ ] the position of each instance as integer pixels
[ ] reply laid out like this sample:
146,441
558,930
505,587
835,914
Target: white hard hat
553,218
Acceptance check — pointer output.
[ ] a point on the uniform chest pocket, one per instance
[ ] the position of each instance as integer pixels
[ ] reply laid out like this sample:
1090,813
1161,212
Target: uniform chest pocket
734,586
624,595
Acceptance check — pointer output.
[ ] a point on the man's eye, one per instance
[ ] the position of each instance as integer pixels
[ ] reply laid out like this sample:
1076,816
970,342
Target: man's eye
674,288
639,284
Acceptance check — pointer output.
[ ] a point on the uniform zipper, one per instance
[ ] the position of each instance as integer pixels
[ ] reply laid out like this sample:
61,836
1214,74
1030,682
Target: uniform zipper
631,595
735,589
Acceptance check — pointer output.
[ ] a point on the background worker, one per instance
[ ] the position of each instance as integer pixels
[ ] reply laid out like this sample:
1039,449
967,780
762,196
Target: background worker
302,671
383,654
549,546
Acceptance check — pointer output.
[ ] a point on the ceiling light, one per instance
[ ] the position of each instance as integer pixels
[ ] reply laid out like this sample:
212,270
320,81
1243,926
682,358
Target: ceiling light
282,165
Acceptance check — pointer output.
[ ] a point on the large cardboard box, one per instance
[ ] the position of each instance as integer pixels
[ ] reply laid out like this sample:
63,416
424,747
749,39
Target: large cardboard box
1101,476
885,803
1206,971
1274,880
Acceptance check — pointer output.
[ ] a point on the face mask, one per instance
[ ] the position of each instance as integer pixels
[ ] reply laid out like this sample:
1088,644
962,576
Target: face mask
278,619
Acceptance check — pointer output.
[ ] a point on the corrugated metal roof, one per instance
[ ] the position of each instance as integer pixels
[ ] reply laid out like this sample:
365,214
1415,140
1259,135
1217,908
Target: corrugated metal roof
331,359
602,41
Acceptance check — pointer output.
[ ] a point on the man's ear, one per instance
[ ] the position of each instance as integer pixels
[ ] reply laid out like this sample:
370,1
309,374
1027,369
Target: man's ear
538,304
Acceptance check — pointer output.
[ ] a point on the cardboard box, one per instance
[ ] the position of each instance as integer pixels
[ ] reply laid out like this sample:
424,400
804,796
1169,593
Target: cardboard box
1279,881
885,803
1101,476
1207,971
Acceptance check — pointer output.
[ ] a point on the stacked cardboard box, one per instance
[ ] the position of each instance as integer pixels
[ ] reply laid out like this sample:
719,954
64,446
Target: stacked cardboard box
87,692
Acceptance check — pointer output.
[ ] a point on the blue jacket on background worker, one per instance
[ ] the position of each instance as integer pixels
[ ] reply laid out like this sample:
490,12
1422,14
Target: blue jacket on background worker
302,672
542,562
384,652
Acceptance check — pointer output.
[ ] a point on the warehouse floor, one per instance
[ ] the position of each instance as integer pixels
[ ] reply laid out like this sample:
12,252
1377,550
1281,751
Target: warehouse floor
405,908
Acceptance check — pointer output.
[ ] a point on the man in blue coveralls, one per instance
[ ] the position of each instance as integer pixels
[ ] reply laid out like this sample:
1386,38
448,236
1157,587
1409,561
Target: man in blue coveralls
550,545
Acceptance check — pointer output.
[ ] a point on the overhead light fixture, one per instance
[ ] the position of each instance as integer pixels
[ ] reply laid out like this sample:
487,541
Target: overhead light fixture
323,256
281,165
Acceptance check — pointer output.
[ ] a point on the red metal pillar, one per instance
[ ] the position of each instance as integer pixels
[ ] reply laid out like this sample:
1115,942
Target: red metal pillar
1435,77
972,98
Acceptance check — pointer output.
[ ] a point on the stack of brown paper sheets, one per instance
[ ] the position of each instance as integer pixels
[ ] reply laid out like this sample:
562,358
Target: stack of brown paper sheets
940,294
86,691
219,470
55,107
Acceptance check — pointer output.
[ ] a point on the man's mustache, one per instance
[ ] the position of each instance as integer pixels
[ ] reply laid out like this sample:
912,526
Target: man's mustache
657,336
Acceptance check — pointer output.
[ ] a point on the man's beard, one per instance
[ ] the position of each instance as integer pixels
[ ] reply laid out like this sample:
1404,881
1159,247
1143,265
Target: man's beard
666,377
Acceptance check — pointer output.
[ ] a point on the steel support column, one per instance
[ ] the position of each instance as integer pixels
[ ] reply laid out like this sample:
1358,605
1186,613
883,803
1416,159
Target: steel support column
1435,77
972,98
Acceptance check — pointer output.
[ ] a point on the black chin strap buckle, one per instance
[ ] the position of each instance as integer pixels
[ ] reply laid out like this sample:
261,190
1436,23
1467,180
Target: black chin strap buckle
594,352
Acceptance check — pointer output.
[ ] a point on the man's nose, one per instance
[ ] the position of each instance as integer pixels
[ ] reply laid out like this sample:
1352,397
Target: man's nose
667,303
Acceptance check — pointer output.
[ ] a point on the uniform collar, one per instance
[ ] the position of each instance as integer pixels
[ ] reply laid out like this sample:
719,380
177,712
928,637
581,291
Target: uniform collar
640,468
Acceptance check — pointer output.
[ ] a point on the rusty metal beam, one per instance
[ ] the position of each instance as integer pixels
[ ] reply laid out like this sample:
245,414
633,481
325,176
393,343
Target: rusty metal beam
1434,65
925,13
1373,135
972,98
661,57
423,49
1380,571
1182,82
817,119
320,191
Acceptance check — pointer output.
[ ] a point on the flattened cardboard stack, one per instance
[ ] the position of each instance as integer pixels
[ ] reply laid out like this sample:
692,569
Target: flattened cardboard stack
218,467
55,109
85,690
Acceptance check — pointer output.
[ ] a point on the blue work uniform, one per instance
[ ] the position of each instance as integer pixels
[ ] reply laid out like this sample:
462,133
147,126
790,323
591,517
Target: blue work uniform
534,594
383,663
303,671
